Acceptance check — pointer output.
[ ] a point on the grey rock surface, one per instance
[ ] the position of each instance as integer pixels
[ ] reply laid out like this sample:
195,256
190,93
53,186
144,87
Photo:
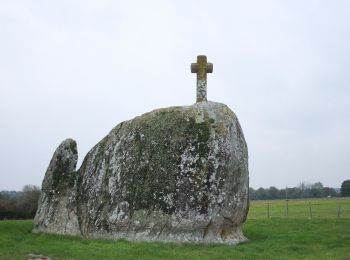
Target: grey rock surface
57,210
177,174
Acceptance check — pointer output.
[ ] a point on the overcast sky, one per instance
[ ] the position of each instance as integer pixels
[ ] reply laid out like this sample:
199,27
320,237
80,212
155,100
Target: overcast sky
78,68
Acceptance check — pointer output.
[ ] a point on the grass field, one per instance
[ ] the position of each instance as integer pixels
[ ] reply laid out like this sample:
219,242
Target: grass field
324,236
328,208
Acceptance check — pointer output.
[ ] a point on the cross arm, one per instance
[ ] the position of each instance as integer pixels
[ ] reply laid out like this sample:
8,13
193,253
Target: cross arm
209,68
194,67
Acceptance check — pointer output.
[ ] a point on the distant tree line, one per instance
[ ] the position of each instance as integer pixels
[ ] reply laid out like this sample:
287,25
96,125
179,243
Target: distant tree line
303,190
19,204
345,189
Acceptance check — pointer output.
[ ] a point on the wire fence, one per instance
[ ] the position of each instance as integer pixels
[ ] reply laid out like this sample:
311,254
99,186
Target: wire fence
300,208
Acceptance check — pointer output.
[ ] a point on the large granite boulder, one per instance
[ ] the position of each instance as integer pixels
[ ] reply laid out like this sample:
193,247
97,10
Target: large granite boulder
177,174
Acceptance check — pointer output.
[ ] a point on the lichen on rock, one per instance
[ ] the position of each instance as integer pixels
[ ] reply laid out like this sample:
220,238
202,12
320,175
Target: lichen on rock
57,211
176,174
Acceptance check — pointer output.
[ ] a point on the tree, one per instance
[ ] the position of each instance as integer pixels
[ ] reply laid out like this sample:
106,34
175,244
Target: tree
345,189
272,193
29,200
316,189
261,194
329,192
19,204
252,195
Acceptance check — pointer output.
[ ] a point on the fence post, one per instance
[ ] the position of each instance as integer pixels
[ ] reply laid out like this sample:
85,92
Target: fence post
339,211
268,209
310,211
287,209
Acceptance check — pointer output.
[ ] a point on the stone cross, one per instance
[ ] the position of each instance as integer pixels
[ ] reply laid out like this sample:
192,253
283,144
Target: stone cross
201,68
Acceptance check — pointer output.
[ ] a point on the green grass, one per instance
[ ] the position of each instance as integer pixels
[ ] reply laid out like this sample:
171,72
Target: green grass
295,237
328,208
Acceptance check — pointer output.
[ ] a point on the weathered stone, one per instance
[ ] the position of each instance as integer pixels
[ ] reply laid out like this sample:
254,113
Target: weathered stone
37,257
57,211
177,174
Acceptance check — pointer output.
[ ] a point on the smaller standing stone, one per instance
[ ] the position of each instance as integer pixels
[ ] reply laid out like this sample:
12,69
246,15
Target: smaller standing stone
201,68
57,204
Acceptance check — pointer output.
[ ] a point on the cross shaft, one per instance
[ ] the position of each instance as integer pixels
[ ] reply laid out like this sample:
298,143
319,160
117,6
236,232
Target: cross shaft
201,68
